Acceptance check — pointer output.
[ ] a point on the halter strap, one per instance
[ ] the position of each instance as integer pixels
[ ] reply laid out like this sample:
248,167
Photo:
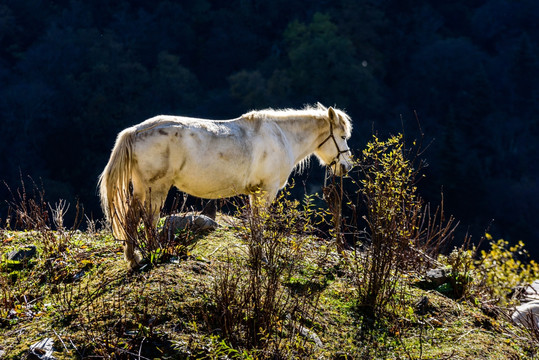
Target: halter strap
332,137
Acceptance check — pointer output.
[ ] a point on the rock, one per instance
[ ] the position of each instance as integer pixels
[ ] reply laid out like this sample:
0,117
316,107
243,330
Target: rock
42,350
26,252
437,277
174,223
527,314
311,335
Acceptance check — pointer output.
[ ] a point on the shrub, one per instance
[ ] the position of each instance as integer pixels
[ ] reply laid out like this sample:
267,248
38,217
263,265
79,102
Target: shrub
502,268
401,233
491,274
160,243
257,302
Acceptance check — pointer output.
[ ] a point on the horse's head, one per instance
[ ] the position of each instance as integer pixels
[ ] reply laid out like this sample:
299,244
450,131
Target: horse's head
333,151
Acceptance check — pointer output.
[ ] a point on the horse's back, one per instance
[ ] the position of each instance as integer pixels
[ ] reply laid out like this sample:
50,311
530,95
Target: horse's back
202,157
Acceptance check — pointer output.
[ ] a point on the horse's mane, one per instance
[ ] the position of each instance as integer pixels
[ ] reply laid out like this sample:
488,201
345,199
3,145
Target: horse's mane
316,111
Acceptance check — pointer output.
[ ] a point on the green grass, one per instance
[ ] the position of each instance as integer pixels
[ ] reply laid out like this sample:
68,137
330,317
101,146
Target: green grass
83,297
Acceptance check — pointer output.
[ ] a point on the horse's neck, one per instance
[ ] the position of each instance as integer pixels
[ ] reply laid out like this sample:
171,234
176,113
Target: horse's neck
304,135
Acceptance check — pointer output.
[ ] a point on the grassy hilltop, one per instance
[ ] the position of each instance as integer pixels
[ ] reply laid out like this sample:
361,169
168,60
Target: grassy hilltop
88,303
267,284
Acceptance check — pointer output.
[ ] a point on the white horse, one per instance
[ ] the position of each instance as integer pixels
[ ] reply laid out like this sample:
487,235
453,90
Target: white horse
253,154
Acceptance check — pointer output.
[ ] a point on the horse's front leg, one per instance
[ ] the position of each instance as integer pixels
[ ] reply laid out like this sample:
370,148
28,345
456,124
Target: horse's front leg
261,200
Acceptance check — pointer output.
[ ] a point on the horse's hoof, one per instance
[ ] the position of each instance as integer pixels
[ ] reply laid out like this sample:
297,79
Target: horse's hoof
133,266
135,263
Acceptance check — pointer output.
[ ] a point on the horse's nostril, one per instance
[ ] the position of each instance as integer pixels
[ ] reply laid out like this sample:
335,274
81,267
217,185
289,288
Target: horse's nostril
344,169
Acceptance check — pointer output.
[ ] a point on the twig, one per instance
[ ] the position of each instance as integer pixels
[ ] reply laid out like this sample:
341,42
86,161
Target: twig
130,353
463,335
140,348
214,251
76,349
62,341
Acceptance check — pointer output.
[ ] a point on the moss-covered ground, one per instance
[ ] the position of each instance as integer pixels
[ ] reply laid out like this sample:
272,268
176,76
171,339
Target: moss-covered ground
78,292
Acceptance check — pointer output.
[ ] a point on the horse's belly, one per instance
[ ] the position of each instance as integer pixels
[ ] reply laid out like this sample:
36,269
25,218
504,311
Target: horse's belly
210,185
210,191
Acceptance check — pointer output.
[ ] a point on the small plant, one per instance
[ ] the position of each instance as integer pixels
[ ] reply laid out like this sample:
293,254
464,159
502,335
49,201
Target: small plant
48,260
28,211
489,275
253,304
502,268
387,189
461,264
391,203
158,244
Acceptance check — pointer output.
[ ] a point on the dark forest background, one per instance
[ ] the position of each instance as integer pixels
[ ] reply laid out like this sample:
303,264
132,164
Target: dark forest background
75,73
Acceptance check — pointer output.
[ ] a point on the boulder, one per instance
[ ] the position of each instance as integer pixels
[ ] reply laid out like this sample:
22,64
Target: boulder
525,293
311,336
437,277
196,223
25,253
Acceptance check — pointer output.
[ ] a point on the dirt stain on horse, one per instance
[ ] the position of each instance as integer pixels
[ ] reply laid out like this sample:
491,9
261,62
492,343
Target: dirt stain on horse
183,164
162,172
258,125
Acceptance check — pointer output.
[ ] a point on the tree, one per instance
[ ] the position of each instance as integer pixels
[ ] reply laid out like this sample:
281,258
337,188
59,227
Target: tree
249,88
323,66
524,73
172,87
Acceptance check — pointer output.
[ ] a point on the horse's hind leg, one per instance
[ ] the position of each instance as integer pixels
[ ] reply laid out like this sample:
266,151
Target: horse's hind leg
210,209
152,209
145,206
132,221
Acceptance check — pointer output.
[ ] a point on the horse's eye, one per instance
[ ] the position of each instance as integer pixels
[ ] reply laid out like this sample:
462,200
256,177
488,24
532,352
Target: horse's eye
343,137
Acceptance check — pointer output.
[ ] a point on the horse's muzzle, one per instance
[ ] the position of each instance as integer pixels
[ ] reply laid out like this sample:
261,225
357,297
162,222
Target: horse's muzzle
341,169
345,168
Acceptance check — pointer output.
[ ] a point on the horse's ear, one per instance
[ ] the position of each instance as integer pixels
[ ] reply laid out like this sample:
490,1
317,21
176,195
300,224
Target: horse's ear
331,114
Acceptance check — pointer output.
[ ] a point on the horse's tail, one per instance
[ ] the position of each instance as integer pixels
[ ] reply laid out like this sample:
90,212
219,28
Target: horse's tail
114,182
